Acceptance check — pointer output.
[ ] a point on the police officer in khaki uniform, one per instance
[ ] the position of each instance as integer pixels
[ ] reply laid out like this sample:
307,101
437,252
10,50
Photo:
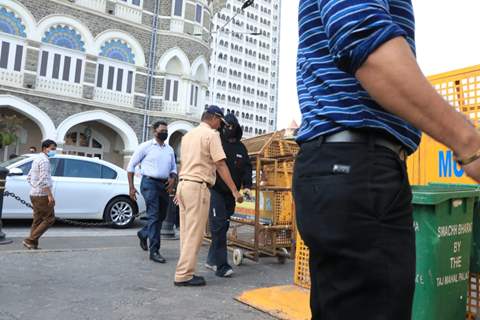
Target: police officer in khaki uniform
202,155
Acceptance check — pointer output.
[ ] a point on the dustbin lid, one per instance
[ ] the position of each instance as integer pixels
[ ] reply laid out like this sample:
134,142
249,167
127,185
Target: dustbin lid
435,194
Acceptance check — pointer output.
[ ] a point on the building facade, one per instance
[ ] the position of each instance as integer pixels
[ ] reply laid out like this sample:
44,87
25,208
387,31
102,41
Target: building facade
95,74
245,64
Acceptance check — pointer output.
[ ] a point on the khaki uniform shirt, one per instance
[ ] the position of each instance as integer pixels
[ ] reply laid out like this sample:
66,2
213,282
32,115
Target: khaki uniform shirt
201,148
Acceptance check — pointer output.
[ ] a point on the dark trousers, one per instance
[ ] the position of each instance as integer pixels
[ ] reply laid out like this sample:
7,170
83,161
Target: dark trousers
156,200
222,208
173,216
354,213
43,218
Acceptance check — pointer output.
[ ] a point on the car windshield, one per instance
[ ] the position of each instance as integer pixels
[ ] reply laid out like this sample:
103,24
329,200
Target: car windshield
12,161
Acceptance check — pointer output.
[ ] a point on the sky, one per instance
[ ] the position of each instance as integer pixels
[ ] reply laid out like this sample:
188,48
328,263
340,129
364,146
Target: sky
447,36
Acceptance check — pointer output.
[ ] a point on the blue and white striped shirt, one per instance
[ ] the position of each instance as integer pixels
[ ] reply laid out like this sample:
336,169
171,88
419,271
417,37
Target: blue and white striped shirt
336,37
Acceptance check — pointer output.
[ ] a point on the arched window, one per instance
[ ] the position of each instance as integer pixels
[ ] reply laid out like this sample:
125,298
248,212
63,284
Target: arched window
12,46
116,67
174,70
10,23
62,60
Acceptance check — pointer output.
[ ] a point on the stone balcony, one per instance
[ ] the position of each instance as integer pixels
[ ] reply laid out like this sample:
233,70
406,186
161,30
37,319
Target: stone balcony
60,87
97,5
113,97
11,78
176,25
128,12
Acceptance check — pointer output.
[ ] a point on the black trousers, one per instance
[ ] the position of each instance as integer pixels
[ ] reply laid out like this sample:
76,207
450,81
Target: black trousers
354,213
173,216
222,208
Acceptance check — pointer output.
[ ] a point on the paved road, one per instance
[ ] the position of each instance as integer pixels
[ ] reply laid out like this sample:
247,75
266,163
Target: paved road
102,274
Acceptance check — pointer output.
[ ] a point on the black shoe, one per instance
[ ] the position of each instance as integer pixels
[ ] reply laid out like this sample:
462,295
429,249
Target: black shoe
143,242
224,272
157,257
196,281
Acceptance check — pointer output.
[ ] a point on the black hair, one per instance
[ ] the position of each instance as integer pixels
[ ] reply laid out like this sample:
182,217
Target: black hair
47,143
158,124
34,148
12,156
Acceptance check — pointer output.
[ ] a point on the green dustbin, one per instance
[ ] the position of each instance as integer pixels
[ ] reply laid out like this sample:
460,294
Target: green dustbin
475,254
443,226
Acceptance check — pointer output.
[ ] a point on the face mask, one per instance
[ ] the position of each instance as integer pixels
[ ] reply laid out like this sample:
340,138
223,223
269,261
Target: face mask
162,136
51,153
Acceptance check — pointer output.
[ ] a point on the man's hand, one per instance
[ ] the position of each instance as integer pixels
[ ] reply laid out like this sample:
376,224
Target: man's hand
51,200
176,201
224,173
170,184
473,170
238,197
133,193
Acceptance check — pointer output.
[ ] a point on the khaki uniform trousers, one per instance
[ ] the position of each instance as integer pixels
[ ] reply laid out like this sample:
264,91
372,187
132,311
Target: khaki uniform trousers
194,203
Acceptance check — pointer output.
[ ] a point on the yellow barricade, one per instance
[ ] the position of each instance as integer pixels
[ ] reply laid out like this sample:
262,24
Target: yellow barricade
433,162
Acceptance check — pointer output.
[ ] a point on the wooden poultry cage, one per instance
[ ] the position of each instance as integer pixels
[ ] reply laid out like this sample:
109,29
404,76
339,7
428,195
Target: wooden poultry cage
264,225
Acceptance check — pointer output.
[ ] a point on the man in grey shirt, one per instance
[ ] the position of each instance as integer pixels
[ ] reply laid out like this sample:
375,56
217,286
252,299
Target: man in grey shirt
159,173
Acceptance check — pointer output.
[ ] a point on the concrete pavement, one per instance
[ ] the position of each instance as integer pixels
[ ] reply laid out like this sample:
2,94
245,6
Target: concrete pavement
109,277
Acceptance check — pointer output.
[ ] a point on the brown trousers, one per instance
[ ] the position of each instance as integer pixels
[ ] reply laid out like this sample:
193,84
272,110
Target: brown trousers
43,218
194,202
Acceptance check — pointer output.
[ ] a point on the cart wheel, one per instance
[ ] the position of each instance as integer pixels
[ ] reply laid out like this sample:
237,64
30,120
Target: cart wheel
283,255
237,256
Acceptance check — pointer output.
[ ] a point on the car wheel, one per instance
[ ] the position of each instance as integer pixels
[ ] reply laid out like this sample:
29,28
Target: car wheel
120,212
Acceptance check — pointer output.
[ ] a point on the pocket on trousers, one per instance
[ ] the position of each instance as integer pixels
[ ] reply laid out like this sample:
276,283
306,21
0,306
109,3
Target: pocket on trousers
329,203
330,210
390,189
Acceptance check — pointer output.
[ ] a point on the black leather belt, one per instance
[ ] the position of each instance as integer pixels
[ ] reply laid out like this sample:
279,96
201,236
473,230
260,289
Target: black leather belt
350,136
156,179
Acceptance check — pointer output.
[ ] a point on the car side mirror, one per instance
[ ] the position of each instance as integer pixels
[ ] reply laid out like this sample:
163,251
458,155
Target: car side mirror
15,172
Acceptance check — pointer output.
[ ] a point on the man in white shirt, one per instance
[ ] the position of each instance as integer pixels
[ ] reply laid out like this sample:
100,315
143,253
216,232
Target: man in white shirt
159,173
41,194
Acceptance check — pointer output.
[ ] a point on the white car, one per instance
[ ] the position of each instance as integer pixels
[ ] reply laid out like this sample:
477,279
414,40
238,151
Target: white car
83,188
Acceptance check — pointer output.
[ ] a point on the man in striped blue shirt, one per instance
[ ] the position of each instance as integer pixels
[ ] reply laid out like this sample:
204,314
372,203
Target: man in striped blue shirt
362,97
